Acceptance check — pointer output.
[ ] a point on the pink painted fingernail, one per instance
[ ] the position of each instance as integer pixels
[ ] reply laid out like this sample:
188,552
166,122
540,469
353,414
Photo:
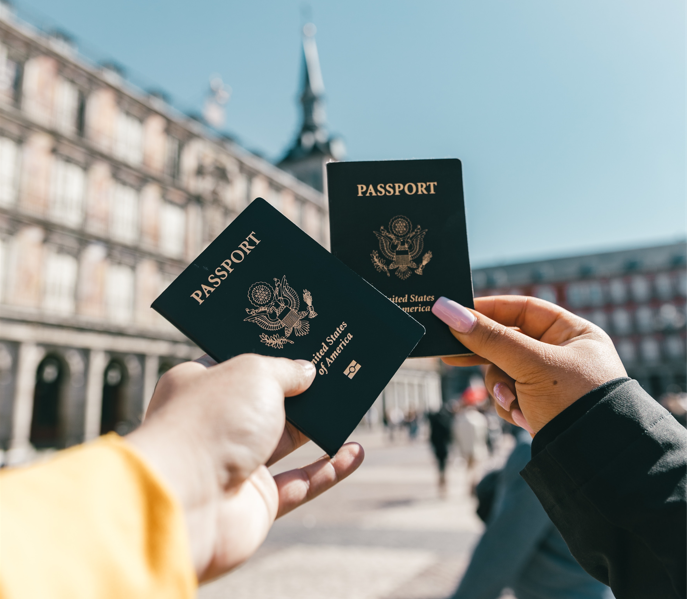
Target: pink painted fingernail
519,419
454,315
503,395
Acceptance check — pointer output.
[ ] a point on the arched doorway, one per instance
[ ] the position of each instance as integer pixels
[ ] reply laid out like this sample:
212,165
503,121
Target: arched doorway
51,375
113,413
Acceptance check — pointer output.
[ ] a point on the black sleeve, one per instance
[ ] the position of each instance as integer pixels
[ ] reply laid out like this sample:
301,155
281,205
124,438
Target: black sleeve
612,475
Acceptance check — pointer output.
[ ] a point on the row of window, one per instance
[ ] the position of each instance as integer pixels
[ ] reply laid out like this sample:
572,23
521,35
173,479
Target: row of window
63,105
651,350
59,280
639,289
68,201
645,319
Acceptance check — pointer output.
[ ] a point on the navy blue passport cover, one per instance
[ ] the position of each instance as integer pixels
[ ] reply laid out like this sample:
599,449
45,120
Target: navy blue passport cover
265,287
400,224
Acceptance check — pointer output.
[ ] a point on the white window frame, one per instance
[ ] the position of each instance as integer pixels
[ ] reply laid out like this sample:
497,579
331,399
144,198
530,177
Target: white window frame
59,283
68,193
172,230
9,171
124,206
66,106
128,144
119,293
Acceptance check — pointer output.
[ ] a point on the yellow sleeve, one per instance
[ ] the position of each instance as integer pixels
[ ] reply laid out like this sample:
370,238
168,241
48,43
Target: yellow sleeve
92,523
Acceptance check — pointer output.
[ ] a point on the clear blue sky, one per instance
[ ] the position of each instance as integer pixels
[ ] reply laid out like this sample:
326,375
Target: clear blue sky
569,116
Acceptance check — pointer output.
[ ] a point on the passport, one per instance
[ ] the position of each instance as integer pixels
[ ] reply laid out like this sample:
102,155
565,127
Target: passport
400,224
264,286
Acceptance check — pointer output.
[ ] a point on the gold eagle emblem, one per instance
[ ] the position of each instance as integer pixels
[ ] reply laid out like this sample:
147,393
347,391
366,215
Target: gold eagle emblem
278,307
402,245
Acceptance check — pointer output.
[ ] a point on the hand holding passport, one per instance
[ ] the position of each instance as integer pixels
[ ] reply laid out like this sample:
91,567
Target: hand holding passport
263,286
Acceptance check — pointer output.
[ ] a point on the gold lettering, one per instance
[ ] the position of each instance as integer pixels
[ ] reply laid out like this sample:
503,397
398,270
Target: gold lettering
431,187
380,189
361,188
219,272
371,191
252,236
410,193
197,295
245,247
236,260
227,264
389,189
207,290
421,188
399,187
214,280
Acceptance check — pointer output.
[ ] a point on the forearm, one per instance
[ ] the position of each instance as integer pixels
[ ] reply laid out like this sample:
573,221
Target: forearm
94,522
613,482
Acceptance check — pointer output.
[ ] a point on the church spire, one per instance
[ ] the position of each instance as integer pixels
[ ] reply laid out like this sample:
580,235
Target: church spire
313,146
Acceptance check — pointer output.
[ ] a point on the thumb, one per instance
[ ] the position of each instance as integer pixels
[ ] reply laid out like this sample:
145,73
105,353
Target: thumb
294,376
512,351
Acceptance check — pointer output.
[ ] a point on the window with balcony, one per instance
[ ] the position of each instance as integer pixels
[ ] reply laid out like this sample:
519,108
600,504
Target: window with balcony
119,293
645,319
173,158
9,168
600,319
618,291
622,322
172,230
664,286
67,98
681,283
11,76
128,144
596,293
577,295
674,347
59,283
641,289
546,292
124,213
670,317
67,193
627,351
651,351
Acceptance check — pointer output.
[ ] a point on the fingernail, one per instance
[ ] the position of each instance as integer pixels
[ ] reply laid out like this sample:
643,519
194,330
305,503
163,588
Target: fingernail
454,315
307,366
519,419
504,396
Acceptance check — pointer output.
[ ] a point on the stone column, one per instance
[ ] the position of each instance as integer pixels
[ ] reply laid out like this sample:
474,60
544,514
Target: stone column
150,370
97,362
30,356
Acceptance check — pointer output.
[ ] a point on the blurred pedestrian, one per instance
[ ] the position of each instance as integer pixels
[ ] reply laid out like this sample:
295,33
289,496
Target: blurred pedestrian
440,425
411,421
394,421
471,429
533,559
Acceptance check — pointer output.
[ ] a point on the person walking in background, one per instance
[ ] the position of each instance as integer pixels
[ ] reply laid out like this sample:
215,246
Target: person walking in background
533,559
411,421
471,430
440,424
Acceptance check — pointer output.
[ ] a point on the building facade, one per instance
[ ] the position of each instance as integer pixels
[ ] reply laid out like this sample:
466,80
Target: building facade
637,296
106,194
